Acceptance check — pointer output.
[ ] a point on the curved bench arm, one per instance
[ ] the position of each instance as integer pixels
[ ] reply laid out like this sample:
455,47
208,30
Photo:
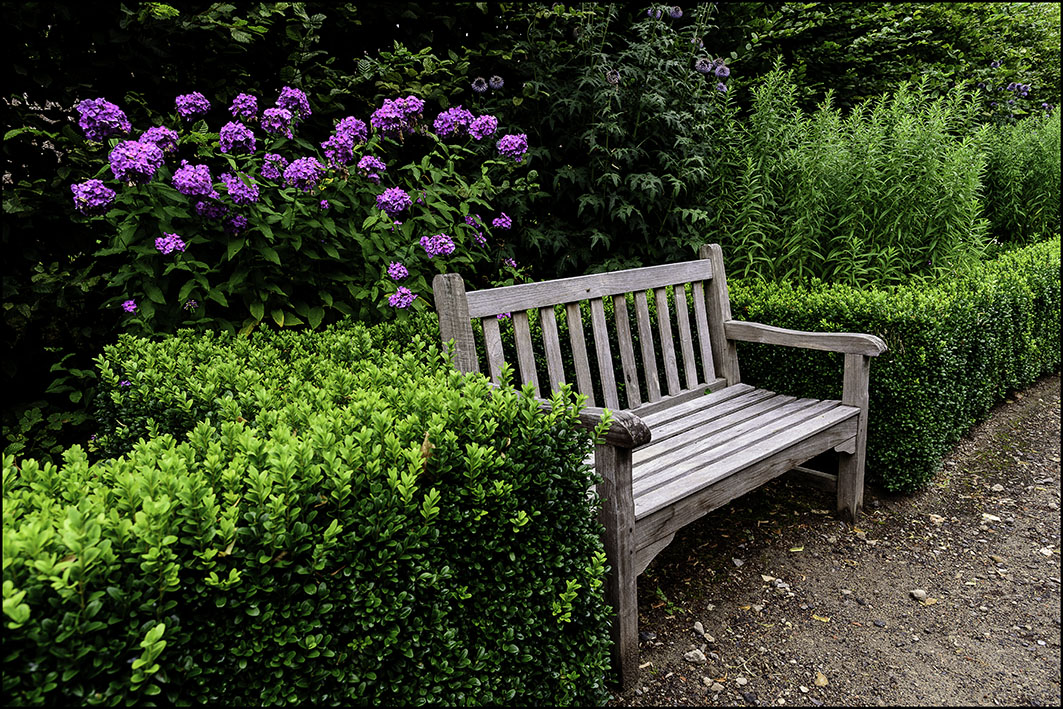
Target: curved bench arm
844,342
626,430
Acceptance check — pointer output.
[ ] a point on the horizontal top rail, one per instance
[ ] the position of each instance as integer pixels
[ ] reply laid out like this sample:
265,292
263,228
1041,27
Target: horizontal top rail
596,285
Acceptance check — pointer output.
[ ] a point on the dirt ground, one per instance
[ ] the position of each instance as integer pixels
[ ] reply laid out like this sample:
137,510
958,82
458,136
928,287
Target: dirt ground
948,597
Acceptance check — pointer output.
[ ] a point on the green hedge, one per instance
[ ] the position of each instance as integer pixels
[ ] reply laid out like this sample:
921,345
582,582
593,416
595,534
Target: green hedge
389,532
955,349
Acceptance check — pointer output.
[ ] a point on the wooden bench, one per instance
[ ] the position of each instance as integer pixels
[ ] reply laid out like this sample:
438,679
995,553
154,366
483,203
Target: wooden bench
682,447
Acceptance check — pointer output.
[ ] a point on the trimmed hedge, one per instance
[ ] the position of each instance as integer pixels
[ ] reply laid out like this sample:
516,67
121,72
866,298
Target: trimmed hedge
389,532
955,349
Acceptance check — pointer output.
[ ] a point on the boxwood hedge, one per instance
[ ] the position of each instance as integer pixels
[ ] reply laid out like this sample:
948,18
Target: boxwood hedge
955,349
333,530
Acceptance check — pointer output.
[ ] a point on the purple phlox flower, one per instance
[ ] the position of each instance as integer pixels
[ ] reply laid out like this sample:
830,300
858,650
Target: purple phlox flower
398,115
721,87
211,210
163,137
473,220
509,262
242,189
272,165
438,245
704,65
295,101
192,180
235,224
101,119
396,223
393,201
236,136
503,316
354,127
191,304
323,205
168,243
722,71
396,271
244,106
613,77
502,221
130,306
496,82
339,149
402,298
125,383
453,120
479,238
483,126
675,12
191,105
371,167
513,146
133,161
277,120
304,173
92,197
479,85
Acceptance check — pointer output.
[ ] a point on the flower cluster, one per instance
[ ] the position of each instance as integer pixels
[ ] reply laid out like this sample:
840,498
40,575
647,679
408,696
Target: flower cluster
242,189
502,221
398,116
304,173
193,180
371,167
402,298
191,105
513,146
235,136
295,102
133,161
438,245
168,243
396,271
163,137
483,127
393,201
277,120
323,205
272,165
235,224
244,106
130,306
454,120
101,119
355,127
92,197
211,210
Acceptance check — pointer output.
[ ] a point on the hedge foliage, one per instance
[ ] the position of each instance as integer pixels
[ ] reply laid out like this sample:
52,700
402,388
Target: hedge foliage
340,527
955,350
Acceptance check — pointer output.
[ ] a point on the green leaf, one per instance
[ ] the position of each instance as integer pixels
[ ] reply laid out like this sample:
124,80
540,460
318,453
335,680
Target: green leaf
258,310
315,316
152,291
278,317
270,253
234,247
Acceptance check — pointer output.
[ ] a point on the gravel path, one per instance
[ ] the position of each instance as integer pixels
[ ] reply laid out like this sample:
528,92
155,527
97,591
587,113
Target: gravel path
948,597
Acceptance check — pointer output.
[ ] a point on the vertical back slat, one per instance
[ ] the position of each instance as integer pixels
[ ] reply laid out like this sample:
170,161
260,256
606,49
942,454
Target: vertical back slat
686,340
454,323
664,325
579,352
525,355
493,345
605,356
724,351
552,344
627,352
701,320
649,357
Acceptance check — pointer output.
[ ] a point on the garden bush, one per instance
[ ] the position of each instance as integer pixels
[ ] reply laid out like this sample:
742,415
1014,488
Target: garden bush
956,347
392,540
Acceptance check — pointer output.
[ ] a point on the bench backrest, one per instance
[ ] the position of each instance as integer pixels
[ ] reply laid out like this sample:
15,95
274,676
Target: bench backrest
682,376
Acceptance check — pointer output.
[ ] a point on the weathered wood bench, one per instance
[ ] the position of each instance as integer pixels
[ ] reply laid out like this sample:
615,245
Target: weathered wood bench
681,450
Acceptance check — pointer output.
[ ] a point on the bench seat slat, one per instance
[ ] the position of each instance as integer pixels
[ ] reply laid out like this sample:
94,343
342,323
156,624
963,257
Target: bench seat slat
596,285
671,413
747,404
698,473
706,439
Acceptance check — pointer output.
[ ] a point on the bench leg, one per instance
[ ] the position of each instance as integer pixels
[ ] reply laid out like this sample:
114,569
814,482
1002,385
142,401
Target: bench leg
621,590
851,465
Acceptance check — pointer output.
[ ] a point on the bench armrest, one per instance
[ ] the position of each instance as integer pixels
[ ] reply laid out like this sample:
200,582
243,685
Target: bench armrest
844,342
626,430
